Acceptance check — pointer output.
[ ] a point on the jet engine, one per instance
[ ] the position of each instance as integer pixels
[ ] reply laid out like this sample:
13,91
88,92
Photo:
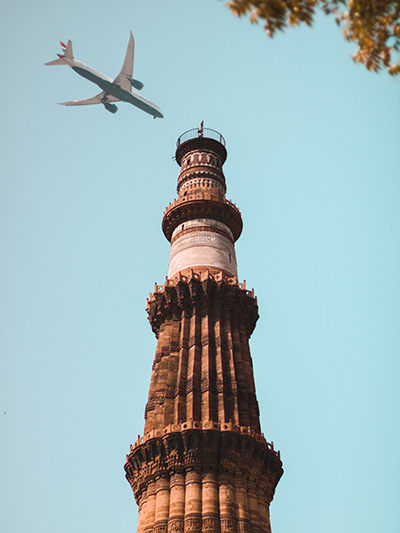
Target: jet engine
136,84
112,108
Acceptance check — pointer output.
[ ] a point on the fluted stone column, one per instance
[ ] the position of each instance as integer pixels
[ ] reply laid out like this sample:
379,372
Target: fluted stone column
242,507
177,503
252,501
193,501
142,513
263,506
161,512
150,507
227,503
210,507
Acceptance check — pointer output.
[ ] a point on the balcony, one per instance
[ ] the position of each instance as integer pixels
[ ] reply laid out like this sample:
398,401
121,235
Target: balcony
205,133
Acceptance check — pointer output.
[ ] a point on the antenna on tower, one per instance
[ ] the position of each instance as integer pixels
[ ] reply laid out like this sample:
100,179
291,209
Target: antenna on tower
200,130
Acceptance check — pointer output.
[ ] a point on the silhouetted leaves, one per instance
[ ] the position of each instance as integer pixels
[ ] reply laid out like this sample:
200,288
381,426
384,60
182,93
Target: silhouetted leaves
374,25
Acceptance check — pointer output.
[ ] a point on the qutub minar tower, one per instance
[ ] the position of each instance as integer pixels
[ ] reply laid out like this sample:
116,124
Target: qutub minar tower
202,463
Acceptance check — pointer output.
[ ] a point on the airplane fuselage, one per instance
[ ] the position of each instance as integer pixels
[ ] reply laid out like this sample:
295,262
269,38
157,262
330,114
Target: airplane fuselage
109,87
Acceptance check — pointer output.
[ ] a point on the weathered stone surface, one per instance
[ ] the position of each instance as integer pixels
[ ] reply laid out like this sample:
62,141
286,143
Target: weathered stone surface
202,243
208,463
202,463
202,369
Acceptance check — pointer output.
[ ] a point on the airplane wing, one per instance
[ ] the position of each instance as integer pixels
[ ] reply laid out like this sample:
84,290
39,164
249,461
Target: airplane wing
92,101
125,76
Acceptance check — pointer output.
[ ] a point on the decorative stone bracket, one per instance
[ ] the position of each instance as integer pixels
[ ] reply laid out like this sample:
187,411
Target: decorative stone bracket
204,450
185,292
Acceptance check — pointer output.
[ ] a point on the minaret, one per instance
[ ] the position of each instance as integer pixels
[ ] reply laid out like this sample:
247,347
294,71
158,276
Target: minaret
202,463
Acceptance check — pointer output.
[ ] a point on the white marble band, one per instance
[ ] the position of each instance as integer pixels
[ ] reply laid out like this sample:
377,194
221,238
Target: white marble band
202,243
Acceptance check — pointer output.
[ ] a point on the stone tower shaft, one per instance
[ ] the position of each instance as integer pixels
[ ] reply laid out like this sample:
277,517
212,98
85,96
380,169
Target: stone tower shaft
202,463
201,224
206,322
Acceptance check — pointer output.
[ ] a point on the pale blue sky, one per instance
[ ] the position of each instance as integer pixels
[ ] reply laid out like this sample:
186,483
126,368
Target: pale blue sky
313,151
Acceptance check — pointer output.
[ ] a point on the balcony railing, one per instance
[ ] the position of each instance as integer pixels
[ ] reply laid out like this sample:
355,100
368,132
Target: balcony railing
200,132
199,196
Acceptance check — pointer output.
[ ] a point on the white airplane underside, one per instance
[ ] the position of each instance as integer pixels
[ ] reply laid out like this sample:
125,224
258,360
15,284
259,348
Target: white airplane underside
113,90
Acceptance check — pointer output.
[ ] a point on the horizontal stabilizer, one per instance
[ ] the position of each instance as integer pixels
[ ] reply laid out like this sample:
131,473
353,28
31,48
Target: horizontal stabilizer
56,62
136,84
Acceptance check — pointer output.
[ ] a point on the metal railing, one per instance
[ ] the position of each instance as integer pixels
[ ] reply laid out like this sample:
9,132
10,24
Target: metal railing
200,132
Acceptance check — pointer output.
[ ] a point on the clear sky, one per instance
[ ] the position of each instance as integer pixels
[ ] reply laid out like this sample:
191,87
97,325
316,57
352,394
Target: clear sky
313,164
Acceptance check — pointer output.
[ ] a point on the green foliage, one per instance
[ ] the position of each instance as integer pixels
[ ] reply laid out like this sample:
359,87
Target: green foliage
374,25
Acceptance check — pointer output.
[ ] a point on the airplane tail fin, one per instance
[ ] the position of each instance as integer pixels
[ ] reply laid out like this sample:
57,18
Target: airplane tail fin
67,54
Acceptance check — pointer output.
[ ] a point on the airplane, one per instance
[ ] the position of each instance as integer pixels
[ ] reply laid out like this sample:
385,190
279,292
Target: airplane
112,90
